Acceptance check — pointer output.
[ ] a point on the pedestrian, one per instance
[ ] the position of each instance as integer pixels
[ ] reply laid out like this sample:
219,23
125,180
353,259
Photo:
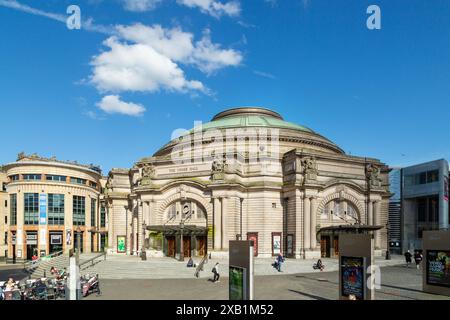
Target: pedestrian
280,260
418,258
215,270
408,256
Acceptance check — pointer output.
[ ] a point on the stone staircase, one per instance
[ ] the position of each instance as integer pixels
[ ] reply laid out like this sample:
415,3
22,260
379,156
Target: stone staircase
60,262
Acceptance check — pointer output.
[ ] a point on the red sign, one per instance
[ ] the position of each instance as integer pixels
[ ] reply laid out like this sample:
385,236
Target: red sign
253,236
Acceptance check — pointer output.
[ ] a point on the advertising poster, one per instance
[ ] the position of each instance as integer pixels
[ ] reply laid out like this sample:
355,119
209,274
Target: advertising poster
68,237
276,241
353,281
237,283
121,244
438,268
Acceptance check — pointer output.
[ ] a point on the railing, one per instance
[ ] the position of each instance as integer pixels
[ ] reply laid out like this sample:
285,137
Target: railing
91,261
200,265
32,265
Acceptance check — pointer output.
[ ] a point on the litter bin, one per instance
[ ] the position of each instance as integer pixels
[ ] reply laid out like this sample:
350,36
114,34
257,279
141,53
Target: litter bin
144,255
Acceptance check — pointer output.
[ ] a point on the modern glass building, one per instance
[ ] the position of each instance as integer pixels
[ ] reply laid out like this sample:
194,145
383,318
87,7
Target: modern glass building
423,193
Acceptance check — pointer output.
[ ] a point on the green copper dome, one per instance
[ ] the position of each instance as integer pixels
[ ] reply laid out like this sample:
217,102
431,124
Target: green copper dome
251,117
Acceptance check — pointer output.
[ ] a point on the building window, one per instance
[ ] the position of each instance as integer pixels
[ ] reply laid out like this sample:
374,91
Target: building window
93,211
56,209
432,176
6,203
32,177
77,181
56,178
102,217
172,212
79,211
4,186
13,209
31,205
14,177
92,184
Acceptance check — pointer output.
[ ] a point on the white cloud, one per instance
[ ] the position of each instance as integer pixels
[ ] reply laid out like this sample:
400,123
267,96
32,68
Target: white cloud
140,5
179,46
213,7
113,104
264,74
149,58
138,67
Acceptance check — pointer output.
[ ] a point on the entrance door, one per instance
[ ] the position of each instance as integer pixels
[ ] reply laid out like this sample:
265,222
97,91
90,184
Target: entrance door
55,240
325,246
31,250
201,246
171,247
336,246
187,246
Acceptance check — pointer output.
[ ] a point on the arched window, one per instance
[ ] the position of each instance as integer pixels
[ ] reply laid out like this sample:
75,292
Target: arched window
339,210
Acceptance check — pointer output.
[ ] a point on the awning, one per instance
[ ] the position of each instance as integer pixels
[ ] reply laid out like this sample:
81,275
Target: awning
355,228
188,230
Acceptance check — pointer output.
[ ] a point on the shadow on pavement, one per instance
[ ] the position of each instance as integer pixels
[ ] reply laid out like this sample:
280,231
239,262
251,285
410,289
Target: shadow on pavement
308,295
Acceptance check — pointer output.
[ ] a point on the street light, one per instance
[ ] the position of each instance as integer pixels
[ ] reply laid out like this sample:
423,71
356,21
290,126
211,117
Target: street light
388,251
181,243
143,253
78,244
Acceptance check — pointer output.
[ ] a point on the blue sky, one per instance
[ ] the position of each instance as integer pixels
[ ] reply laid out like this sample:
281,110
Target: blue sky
377,93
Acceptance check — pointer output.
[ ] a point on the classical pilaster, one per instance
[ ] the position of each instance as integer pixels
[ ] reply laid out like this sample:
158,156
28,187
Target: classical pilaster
370,214
307,223
313,223
217,224
224,223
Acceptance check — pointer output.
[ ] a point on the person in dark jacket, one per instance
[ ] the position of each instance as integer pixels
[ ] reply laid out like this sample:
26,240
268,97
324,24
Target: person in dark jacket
418,259
408,256
280,260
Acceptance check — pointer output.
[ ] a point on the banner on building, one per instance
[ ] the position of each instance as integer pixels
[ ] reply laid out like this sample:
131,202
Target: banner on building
42,209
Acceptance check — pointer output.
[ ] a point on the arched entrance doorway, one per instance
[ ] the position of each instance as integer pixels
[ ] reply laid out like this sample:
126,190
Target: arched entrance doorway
335,213
183,232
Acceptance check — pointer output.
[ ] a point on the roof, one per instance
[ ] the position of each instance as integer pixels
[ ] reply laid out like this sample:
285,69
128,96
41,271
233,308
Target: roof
251,117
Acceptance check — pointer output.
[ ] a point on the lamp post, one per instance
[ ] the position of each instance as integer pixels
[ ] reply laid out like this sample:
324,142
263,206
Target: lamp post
181,242
143,253
78,244
388,250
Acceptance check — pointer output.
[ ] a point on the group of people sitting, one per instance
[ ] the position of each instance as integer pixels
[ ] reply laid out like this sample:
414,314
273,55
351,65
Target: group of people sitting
58,274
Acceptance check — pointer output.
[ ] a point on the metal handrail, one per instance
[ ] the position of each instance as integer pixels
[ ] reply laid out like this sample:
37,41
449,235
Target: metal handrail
103,254
200,265
28,265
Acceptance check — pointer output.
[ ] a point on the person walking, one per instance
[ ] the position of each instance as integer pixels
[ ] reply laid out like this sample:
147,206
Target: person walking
408,256
418,259
215,270
280,260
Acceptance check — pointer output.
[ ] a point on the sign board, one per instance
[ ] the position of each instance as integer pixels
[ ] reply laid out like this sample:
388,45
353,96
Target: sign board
42,209
69,237
353,277
121,244
237,283
241,270
436,271
355,263
43,237
438,267
32,238
19,253
55,238
290,244
13,239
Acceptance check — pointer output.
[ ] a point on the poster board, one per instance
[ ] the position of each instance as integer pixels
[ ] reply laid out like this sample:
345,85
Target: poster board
121,245
241,266
436,264
238,283
353,281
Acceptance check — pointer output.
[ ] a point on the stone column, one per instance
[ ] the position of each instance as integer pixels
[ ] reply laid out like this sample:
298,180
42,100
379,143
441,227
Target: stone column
313,222
307,223
224,223
370,214
217,224
110,225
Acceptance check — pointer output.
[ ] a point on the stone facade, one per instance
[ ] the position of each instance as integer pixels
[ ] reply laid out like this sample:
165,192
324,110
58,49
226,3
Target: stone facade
39,180
246,173
3,216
